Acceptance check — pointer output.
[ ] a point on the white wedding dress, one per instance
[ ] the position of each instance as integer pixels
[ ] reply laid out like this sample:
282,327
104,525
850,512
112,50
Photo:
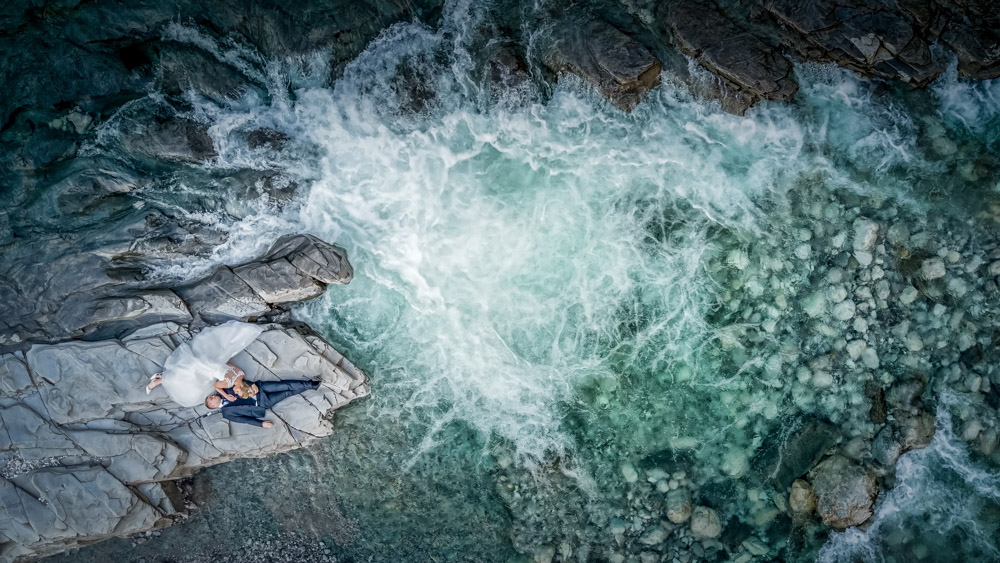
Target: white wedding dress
190,371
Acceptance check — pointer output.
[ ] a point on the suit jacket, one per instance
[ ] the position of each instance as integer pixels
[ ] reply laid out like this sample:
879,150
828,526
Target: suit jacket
243,410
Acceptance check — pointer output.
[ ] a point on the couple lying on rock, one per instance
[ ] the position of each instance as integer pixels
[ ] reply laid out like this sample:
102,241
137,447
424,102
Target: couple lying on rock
201,365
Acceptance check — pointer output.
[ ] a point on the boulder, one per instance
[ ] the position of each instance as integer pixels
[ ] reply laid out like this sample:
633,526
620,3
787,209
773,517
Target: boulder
729,51
705,523
324,262
507,76
845,492
916,430
621,68
679,505
87,297
801,500
787,455
187,68
873,39
887,446
223,296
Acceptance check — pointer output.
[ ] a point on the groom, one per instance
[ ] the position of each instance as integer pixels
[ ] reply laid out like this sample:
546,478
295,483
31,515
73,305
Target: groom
253,399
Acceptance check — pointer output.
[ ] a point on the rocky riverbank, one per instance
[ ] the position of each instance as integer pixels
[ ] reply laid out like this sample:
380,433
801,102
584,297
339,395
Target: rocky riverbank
116,164
87,455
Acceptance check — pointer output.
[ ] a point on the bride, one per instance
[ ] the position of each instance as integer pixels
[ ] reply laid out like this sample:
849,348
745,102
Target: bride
197,368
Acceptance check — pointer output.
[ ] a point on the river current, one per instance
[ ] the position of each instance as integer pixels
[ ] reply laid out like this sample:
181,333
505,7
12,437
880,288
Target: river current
566,310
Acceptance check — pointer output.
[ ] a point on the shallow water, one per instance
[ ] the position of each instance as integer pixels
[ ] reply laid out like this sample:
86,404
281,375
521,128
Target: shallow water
563,307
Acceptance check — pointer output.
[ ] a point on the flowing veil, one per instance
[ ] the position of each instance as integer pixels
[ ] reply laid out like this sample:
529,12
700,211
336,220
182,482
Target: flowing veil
190,371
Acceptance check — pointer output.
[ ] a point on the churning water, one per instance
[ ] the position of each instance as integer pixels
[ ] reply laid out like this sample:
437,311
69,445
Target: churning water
556,300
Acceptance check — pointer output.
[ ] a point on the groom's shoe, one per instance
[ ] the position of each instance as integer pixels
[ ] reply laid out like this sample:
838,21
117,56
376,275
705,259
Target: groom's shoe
315,384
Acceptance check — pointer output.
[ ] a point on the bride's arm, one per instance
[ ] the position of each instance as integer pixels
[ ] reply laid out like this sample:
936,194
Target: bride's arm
220,388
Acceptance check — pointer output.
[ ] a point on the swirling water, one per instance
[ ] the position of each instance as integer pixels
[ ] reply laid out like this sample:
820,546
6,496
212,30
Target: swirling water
553,297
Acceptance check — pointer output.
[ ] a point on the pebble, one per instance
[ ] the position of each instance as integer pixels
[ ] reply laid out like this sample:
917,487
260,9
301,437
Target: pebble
932,269
815,304
972,430
863,257
944,146
865,234
994,268
909,295
679,506
738,259
755,547
656,474
914,343
882,289
870,358
838,294
855,348
860,325
617,526
958,287
844,310
705,523
803,251
629,473
898,234
654,536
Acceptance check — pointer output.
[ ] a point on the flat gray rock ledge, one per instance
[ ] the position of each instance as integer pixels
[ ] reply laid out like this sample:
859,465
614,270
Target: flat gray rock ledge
86,455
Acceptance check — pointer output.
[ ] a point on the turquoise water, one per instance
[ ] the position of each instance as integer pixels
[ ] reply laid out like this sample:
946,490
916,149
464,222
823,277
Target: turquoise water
567,310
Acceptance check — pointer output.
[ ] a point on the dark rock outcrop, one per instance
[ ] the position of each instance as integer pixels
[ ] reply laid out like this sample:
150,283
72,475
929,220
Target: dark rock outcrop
749,46
874,39
619,66
84,295
745,61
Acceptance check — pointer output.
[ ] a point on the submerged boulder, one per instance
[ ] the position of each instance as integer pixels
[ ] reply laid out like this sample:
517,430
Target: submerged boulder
790,454
705,523
845,492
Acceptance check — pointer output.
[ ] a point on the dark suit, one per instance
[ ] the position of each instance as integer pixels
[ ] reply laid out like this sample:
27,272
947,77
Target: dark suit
253,410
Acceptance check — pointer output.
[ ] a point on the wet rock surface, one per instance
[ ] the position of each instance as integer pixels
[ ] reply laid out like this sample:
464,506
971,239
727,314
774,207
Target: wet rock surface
744,60
619,66
845,492
869,336
87,455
